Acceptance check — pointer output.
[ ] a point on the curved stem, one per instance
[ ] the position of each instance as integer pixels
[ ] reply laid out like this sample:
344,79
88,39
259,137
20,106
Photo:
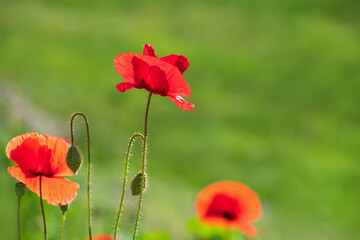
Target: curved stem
42,208
143,167
89,162
132,139
18,218
62,225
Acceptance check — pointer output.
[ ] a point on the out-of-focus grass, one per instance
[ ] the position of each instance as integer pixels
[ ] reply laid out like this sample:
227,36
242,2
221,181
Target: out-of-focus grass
276,88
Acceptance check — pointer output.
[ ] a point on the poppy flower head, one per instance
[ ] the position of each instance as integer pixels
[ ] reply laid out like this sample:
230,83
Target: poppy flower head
103,237
159,76
229,204
45,156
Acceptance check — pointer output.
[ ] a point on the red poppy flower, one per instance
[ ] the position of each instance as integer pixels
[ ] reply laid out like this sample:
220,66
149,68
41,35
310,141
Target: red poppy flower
229,204
103,237
43,155
159,76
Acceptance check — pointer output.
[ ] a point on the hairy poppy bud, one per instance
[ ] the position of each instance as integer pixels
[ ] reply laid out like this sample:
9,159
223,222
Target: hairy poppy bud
136,184
74,159
64,208
20,189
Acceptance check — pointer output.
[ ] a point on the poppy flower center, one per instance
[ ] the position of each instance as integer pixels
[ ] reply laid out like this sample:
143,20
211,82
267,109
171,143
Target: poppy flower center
225,207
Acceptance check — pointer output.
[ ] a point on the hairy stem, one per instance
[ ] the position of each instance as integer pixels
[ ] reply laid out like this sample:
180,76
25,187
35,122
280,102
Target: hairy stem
42,208
143,167
132,139
89,162
18,218
62,225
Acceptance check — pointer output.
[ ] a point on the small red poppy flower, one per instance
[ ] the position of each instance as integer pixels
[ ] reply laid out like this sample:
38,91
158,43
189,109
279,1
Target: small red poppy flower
159,76
229,204
103,237
45,156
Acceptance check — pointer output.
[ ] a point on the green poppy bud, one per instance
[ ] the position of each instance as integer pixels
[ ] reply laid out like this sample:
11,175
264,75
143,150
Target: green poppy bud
64,208
136,184
74,159
20,189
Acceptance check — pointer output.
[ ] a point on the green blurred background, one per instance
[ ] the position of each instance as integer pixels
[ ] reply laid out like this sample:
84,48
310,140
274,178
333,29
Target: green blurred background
276,86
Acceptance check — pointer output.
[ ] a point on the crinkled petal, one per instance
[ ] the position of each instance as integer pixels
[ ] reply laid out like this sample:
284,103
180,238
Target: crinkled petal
40,154
122,87
181,103
124,66
17,157
178,61
59,148
129,66
141,73
177,84
159,82
56,190
149,51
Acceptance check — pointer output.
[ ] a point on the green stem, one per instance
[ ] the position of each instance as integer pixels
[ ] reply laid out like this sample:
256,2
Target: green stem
42,208
62,225
132,139
18,218
89,162
143,167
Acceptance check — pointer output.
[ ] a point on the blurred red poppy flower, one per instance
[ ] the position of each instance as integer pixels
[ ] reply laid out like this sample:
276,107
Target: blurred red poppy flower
229,204
103,237
43,155
159,76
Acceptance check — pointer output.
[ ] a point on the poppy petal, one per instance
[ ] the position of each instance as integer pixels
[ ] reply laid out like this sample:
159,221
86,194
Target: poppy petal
149,50
159,81
39,154
177,84
122,87
23,150
103,237
59,148
141,73
129,66
178,61
56,190
181,103
215,205
245,226
124,66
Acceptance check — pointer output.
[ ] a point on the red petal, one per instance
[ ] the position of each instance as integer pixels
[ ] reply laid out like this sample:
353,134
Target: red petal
135,71
122,87
40,154
245,226
181,103
149,50
178,61
56,190
102,237
177,84
141,73
159,82
124,66
249,204
59,147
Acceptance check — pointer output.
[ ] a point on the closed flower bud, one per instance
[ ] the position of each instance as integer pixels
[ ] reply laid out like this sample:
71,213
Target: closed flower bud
20,189
136,184
64,208
74,159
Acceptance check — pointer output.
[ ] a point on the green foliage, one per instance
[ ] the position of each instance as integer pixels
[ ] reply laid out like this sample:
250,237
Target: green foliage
275,84
156,236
